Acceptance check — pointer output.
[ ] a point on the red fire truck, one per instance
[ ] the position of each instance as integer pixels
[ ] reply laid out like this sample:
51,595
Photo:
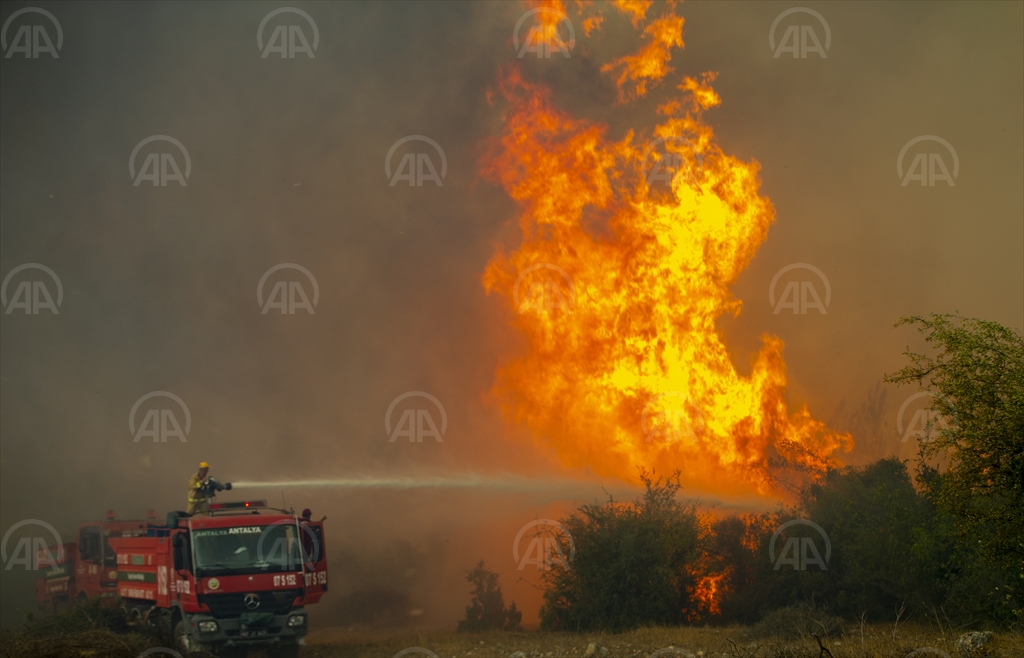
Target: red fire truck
87,567
234,579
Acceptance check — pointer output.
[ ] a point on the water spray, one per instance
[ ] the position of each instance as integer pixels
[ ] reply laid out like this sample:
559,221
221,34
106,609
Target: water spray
552,488
510,483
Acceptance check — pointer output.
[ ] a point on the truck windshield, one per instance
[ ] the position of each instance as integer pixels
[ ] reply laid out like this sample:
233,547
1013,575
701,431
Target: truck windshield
246,549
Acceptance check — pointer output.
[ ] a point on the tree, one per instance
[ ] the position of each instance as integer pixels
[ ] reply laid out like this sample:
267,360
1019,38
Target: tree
634,563
887,547
977,382
738,546
976,379
888,544
487,607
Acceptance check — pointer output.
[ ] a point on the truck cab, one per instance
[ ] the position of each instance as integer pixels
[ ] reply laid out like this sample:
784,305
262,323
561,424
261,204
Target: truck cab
233,579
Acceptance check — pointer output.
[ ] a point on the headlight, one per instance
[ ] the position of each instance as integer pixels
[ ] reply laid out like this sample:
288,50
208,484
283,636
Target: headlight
297,620
207,627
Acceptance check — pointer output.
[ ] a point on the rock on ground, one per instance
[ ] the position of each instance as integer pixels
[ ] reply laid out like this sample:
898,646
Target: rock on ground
974,644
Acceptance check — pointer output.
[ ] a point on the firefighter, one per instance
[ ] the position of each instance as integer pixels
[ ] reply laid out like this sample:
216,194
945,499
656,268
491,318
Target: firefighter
307,516
197,498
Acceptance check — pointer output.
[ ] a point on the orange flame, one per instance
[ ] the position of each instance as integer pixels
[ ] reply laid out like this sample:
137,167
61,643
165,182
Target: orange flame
706,598
627,255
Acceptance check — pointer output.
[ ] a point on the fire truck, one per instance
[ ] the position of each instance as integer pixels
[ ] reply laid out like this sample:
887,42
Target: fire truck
87,567
233,579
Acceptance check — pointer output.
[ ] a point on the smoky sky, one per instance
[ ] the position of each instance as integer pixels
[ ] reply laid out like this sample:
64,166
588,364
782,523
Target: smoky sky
287,166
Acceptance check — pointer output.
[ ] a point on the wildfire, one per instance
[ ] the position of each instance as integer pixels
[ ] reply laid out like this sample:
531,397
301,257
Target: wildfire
628,251
706,597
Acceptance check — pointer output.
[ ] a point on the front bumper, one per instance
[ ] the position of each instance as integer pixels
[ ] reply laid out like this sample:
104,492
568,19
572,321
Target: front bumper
232,632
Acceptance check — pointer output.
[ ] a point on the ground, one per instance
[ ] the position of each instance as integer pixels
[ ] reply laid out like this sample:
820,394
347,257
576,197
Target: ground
869,641
853,641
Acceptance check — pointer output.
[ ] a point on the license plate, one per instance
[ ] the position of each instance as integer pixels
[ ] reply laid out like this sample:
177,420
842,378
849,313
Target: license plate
254,633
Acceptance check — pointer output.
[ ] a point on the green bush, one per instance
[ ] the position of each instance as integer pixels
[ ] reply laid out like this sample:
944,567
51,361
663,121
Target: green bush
634,563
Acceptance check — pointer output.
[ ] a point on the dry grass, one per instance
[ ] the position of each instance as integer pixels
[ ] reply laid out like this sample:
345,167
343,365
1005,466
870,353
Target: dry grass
869,641
93,630
856,641
81,644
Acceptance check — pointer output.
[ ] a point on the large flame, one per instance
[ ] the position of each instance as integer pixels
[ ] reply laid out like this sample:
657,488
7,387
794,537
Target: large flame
628,251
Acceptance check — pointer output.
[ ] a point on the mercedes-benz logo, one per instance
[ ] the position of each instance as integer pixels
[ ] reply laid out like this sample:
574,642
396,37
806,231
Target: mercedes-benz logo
252,601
